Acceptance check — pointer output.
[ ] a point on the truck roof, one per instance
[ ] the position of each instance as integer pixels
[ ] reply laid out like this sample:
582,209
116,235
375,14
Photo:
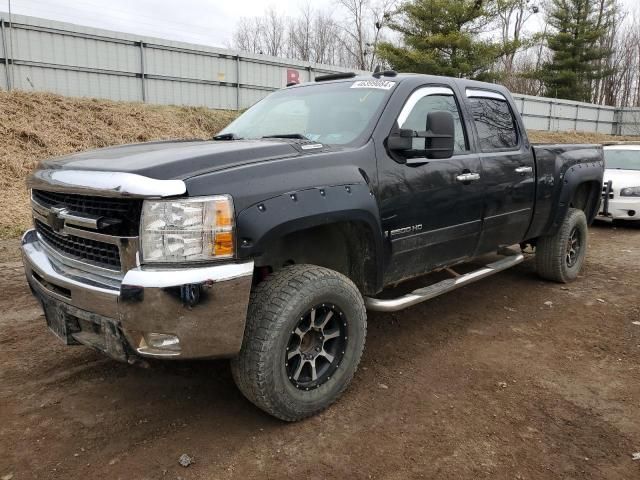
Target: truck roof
414,78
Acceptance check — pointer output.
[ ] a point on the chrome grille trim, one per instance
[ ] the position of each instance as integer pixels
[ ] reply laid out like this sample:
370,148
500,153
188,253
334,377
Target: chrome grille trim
127,247
90,251
89,235
97,277
67,263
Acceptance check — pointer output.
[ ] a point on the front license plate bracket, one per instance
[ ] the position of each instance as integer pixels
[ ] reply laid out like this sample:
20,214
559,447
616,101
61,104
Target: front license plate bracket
59,323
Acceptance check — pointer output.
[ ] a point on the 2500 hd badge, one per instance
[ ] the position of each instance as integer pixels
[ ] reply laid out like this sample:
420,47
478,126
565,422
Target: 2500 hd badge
402,231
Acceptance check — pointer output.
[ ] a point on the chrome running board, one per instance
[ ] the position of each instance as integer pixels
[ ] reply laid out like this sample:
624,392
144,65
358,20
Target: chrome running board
426,293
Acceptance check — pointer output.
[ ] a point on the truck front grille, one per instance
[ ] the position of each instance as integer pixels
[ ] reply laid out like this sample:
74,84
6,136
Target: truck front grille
86,250
123,213
107,207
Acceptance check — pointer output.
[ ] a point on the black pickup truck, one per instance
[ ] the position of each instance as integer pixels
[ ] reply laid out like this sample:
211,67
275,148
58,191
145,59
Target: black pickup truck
268,243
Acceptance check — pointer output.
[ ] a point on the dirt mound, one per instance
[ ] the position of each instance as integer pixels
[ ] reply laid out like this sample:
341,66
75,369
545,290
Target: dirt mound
35,126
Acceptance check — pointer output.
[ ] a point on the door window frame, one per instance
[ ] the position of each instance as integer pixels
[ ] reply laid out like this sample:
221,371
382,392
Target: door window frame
430,90
472,93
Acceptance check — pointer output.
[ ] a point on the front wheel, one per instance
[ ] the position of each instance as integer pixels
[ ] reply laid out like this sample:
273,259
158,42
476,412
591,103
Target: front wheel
304,337
559,257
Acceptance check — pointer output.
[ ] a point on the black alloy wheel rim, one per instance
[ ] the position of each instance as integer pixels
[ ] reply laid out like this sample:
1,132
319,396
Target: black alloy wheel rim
316,346
574,246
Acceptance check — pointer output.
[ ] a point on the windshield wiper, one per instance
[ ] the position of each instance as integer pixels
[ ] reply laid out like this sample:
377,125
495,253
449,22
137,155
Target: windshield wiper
227,136
297,136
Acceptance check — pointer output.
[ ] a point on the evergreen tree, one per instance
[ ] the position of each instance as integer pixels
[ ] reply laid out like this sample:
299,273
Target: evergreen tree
576,43
444,37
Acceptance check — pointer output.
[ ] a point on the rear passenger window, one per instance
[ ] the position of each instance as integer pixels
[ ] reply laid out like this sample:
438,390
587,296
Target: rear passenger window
495,124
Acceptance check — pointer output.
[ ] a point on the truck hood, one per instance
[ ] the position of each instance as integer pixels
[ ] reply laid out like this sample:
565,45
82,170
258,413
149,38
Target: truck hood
622,178
175,159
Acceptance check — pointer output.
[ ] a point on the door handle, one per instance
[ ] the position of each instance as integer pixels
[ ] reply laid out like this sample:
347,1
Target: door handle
468,177
523,170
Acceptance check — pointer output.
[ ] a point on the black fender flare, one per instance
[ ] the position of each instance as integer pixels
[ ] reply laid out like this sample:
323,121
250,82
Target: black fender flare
264,222
574,176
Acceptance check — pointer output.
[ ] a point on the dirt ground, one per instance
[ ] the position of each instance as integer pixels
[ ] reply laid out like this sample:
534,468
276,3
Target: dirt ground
490,381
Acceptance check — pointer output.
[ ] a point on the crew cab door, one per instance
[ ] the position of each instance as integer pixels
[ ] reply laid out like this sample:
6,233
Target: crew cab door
431,211
508,167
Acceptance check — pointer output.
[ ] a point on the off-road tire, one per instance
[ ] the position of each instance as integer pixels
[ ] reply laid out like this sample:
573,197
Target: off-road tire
552,252
276,307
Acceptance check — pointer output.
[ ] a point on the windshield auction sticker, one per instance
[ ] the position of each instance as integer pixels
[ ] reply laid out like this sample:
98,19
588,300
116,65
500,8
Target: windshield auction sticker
379,84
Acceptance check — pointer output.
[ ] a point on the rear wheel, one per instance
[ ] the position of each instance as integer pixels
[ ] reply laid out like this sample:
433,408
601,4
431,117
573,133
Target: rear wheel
560,257
303,341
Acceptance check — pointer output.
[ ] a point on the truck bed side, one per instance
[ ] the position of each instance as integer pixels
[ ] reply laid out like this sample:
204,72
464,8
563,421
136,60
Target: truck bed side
566,176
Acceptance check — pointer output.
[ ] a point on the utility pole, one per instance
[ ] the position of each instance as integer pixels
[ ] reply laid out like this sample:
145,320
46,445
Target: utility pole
12,72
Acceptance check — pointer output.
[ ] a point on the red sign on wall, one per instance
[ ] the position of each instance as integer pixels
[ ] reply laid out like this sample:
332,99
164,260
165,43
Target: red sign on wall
293,76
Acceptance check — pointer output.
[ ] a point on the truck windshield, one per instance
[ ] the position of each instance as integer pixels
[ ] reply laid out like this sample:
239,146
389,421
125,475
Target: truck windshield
622,159
332,113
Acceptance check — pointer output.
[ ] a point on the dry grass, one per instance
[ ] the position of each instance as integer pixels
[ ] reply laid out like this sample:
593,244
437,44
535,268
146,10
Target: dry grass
538,136
35,126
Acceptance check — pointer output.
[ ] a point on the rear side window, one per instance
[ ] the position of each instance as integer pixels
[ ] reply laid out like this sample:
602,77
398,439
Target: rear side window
495,124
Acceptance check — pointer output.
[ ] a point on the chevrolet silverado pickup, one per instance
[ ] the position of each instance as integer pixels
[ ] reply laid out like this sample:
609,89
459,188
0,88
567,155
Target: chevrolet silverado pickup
268,244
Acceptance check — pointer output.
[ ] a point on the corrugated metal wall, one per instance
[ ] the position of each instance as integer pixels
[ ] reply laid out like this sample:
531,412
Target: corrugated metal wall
629,121
552,114
44,55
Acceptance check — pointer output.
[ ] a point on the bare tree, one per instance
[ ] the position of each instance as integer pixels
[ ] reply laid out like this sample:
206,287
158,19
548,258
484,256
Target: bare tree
248,35
605,89
523,78
512,16
622,87
325,40
311,35
355,38
362,27
316,36
273,32
381,13
301,34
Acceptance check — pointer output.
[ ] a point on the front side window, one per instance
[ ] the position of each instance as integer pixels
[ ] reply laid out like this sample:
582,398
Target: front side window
495,124
331,113
417,117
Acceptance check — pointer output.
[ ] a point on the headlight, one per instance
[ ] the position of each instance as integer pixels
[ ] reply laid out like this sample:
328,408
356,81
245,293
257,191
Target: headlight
630,192
187,230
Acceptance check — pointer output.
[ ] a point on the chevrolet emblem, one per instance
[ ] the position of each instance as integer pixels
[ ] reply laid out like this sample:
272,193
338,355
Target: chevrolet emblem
56,218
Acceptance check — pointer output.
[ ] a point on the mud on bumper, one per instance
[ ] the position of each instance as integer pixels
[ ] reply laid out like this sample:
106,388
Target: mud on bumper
195,312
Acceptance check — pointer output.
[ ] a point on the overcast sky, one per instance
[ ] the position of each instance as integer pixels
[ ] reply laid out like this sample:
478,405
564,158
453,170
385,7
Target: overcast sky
210,22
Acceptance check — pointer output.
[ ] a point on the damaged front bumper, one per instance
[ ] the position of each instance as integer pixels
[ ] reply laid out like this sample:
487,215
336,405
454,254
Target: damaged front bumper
188,312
